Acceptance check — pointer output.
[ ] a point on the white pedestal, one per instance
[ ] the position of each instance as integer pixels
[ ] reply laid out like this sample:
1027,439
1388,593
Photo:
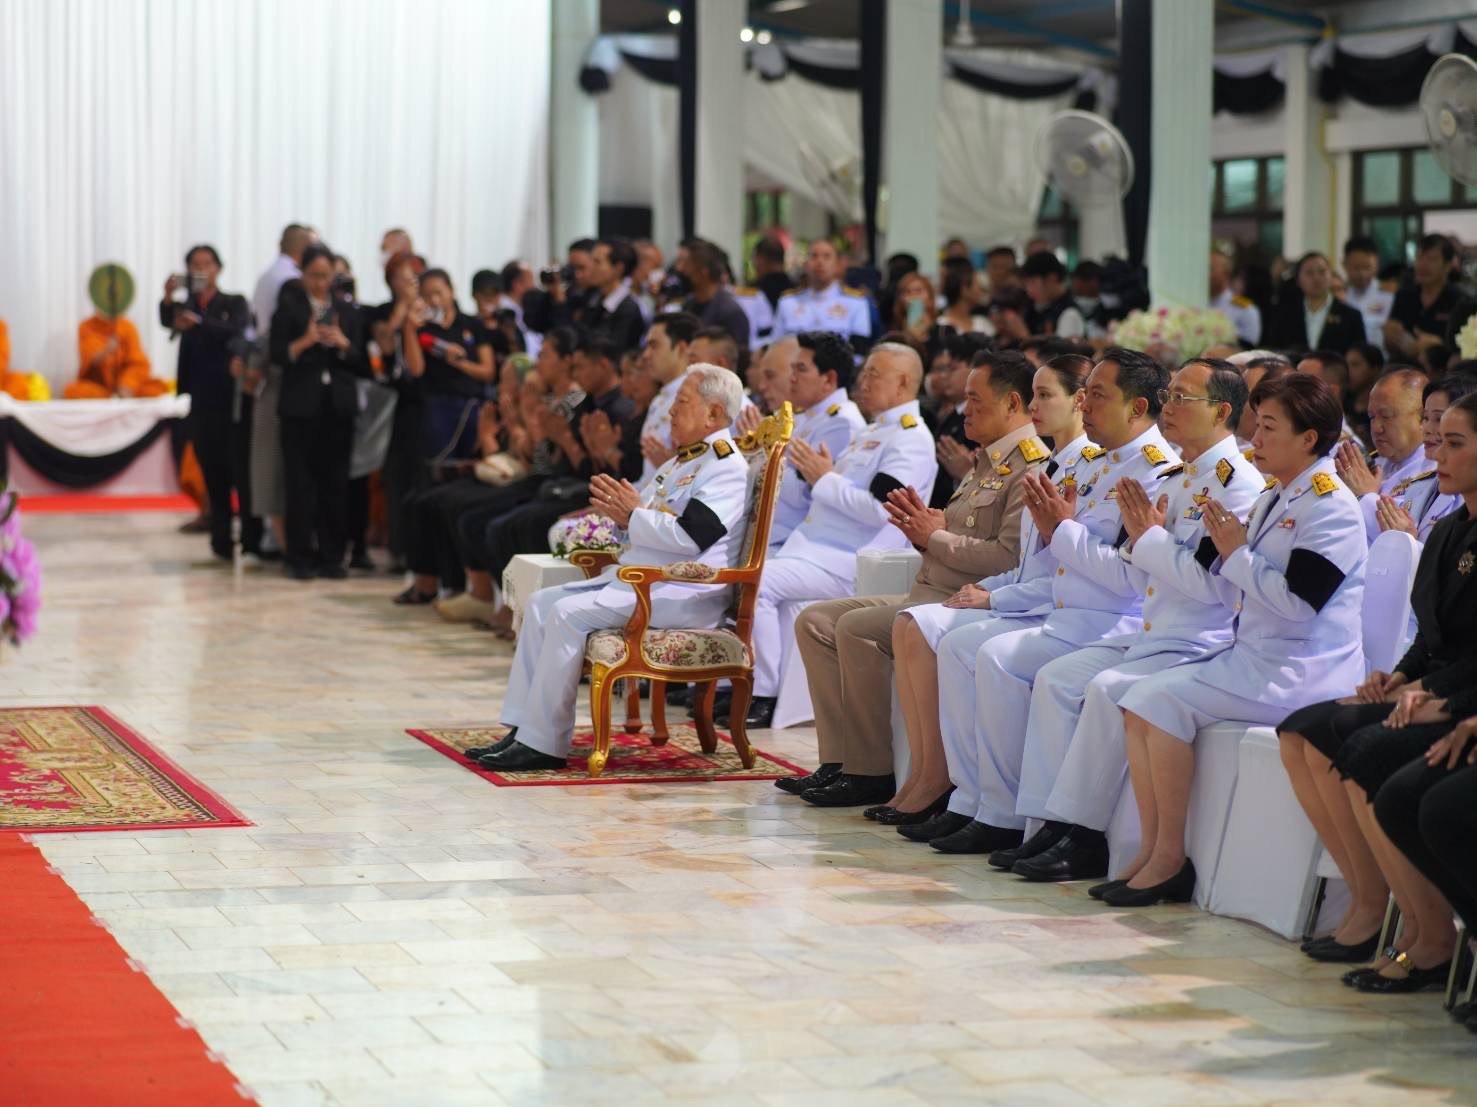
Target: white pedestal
886,572
527,573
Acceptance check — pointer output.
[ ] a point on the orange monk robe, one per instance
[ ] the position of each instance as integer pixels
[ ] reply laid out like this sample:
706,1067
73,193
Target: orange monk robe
121,371
17,384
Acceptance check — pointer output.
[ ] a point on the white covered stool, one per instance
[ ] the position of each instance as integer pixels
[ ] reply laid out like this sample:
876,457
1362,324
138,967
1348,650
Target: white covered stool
1266,872
792,702
527,573
1389,573
886,572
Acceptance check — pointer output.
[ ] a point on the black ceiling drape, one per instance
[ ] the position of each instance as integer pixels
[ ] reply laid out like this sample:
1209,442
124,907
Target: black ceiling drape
1249,95
1389,82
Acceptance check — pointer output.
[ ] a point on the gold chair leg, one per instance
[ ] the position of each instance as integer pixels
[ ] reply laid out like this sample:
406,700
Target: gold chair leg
659,733
600,715
633,705
743,688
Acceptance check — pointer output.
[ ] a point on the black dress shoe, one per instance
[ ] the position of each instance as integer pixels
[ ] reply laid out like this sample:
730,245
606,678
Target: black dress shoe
679,695
1464,1011
1414,980
1079,854
891,816
818,779
412,598
851,790
761,713
1336,953
1354,976
977,837
520,758
945,822
1098,891
472,753
333,572
875,813
299,572
1048,836
1180,888
362,562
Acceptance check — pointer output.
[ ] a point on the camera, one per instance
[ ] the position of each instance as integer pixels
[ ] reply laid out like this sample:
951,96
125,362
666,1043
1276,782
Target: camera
181,287
342,287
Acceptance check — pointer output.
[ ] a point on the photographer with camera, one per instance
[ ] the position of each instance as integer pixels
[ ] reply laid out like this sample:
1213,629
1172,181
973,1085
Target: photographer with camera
318,343
564,293
451,354
211,328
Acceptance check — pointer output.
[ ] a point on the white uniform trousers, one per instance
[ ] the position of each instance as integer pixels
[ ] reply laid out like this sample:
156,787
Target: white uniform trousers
545,680
958,713
1074,766
1005,668
786,580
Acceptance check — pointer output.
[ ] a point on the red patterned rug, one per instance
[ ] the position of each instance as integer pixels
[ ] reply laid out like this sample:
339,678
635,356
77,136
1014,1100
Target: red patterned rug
633,759
79,768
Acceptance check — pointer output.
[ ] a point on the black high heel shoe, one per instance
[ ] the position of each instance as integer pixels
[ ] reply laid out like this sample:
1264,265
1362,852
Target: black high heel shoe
893,817
1098,891
1180,888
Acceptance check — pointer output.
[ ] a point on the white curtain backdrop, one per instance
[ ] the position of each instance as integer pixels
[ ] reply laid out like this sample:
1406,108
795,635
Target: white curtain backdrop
132,129
806,137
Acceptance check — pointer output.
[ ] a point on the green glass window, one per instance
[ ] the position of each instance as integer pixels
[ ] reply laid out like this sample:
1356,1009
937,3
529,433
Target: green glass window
1429,182
1239,184
1276,175
1380,178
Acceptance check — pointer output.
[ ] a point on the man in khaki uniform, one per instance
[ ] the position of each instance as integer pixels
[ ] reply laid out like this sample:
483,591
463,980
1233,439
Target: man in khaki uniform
847,643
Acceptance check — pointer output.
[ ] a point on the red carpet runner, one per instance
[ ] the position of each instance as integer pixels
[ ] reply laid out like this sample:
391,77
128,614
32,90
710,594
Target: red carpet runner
79,1025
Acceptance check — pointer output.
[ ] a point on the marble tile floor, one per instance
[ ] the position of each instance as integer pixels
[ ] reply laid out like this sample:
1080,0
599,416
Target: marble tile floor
393,930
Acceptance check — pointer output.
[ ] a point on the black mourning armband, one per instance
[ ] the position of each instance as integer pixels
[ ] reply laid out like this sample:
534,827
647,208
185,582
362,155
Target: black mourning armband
1312,578
882,484
1206,553
701,524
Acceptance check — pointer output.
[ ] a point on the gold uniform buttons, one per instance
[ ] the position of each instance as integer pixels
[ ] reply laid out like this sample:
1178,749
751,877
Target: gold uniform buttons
1061,605
1151,590
1148,626
1061,572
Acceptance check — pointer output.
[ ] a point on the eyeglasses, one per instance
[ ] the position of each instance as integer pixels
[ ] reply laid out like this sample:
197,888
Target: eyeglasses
1166,397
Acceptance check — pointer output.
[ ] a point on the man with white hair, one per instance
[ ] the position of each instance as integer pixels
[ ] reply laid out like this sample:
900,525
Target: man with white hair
693,509
848,498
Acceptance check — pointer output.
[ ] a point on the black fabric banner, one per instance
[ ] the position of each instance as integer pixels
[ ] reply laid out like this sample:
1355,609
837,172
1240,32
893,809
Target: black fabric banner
685,74
70,470
873,72
1389,82
1135,100
1246,95
1016,90
661,70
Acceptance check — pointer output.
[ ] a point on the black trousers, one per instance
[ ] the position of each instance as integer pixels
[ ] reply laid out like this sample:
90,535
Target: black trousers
524,530
404,472
357,522
315,457
223,449
1431,815
430,534
471,525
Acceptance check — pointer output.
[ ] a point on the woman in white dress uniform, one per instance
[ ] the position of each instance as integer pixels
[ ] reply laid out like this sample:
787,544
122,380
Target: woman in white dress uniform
1056,414
1294,575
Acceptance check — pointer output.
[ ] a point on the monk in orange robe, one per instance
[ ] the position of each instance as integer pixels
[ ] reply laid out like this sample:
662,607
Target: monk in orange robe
113,362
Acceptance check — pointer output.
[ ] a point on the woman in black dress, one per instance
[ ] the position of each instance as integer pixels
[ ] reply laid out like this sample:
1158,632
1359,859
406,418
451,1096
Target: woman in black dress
1391,719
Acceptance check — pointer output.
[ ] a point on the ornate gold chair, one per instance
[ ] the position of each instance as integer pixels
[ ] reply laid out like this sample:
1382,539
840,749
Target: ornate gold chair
704,655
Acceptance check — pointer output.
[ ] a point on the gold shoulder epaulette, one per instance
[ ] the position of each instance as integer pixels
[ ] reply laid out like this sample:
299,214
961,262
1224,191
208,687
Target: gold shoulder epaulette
1033,450
790,292
908,422
1323,484
1154,454
1224,471
834,409
1249,452
722,448
850,290
1092,453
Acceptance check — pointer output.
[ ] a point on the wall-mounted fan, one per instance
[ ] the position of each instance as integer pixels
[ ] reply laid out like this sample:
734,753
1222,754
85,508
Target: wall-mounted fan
1449,107
1086,158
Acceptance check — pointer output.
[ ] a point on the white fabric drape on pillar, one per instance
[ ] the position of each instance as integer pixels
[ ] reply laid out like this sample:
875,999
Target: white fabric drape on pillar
133,129
638,152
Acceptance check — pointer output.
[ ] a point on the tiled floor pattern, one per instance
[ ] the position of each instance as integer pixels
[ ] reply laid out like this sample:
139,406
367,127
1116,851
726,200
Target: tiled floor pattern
396,931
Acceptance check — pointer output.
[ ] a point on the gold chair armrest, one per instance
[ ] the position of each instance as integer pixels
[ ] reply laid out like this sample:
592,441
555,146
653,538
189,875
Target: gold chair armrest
592,562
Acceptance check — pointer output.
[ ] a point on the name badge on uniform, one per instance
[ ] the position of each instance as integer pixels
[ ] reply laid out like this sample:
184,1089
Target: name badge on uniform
687,479
871,444
1287,524
1464,563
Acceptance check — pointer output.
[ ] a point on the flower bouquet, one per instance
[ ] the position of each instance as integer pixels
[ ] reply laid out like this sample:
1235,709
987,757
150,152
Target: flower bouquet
1175,333
589,531
1466,339
20,575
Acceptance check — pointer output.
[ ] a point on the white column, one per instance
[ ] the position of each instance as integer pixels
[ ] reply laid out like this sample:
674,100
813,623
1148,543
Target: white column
574,128
720,126
1179,197
908,203
1308,197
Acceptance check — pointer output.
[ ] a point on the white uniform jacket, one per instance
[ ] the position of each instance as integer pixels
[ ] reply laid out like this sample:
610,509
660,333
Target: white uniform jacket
1026,589
1093,593
895,450
832,423
1393,475
841,310
1296,587
1183,609
693,508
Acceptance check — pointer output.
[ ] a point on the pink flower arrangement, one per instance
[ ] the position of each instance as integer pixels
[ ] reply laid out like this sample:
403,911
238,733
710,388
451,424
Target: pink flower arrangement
20,575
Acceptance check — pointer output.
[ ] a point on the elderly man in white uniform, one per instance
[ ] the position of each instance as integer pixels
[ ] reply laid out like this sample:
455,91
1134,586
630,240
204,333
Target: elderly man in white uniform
824,304
847,508
985,688
1399,444
693,507
1074,764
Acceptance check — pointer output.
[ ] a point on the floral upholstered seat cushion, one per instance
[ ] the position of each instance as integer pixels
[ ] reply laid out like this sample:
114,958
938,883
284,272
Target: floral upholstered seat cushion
671,649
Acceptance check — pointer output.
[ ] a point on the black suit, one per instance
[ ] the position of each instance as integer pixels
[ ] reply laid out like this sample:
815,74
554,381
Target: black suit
319,401
624,325
951,423
1343,326
220,414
